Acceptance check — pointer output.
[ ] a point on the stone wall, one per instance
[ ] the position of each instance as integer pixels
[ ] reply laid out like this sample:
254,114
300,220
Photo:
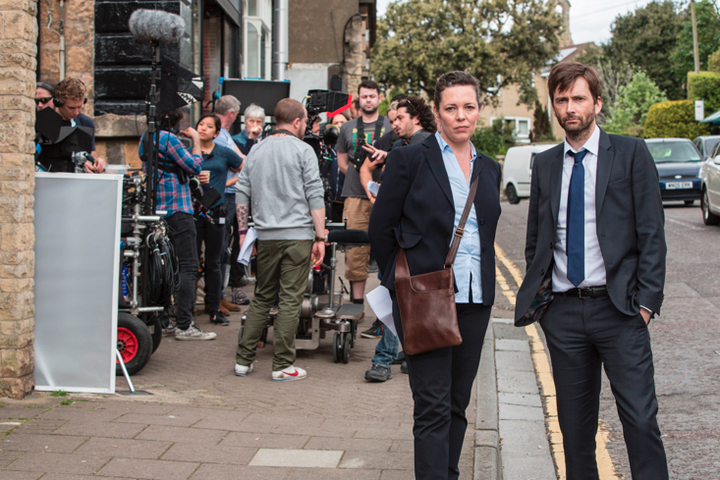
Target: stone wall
79,30
18,36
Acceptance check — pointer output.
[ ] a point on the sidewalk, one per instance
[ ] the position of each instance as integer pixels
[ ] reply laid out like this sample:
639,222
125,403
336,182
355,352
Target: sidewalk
203,422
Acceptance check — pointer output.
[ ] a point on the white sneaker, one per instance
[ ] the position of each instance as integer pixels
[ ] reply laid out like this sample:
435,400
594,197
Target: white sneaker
288,374
242,370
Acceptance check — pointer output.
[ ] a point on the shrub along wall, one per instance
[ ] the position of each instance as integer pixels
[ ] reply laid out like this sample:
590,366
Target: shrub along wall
674,119
705,86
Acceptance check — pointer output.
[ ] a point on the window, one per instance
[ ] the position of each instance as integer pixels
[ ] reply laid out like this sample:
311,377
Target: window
257,45
521,126
252,47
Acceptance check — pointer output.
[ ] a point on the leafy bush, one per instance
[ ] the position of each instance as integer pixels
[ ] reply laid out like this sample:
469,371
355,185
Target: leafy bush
494,139
714,62
674,119
705,86
628,114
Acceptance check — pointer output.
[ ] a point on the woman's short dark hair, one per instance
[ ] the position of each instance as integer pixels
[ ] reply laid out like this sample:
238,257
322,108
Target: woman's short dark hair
455,79
563,76
287,110
417,108
216,119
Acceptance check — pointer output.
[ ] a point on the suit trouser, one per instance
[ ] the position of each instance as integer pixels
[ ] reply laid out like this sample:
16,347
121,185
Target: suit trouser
441,382
582,335
282,270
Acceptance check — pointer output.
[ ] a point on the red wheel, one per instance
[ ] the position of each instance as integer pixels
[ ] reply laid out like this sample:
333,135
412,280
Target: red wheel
127,344
134,343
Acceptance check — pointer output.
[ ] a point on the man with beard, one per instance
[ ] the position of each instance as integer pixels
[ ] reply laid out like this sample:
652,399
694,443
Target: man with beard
595,202
354,135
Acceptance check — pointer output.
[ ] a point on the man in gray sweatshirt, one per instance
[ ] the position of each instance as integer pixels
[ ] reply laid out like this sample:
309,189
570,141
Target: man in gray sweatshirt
282,180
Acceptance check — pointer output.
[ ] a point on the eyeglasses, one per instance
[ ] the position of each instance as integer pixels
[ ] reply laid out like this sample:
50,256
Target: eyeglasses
38,101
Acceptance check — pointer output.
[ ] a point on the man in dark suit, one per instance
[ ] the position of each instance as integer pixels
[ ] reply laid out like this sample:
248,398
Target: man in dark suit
595,257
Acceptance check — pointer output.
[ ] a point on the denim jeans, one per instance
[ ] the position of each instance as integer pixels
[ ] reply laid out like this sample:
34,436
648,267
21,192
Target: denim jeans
386,351
183,238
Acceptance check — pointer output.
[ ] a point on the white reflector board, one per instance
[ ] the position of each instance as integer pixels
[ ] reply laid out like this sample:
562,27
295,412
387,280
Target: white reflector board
77,257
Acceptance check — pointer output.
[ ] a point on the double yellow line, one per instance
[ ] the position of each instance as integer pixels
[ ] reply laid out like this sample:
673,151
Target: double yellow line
547,385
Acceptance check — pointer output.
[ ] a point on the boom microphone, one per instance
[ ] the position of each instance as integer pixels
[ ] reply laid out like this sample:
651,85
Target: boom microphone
156,26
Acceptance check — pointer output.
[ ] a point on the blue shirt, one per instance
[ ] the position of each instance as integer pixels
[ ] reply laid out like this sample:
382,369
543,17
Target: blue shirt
467,262
219,162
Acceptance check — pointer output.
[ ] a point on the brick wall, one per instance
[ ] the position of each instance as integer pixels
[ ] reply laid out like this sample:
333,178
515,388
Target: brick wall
79,43
18,35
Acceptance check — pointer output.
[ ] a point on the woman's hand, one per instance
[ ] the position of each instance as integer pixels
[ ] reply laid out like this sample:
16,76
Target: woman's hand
204,177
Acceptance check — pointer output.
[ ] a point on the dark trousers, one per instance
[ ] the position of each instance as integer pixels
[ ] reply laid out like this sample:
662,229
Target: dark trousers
183,237
237,270
582,335
213,235
441,382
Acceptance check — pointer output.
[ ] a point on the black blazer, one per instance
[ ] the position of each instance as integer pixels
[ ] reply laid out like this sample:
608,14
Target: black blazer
415,210
630,224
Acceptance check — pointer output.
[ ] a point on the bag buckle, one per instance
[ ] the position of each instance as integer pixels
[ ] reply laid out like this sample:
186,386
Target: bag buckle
459,232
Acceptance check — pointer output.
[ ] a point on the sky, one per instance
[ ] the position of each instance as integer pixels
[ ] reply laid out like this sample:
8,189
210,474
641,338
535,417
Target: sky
590,20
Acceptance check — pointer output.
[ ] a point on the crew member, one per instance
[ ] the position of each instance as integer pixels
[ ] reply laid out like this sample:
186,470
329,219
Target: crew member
69,97
360,131
44,95
282,178
254,118
173,196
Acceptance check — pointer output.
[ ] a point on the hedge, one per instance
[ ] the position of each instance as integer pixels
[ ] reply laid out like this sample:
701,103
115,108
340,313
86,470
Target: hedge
674,119
705,86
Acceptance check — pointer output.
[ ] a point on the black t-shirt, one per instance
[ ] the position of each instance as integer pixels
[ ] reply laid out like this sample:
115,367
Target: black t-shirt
84,121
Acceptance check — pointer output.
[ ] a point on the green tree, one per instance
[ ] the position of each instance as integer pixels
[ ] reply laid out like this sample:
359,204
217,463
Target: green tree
714,62
646,39
628,115
708,20
495,139
542,129
499,42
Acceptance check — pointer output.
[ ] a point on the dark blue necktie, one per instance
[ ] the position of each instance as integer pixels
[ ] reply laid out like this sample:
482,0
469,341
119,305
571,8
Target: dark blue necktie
576,221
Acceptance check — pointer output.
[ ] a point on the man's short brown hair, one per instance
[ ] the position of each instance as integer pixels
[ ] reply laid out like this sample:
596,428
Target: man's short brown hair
563,76
287,110
70,89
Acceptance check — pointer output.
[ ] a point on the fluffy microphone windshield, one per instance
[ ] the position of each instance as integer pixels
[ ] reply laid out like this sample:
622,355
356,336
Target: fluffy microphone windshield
156,26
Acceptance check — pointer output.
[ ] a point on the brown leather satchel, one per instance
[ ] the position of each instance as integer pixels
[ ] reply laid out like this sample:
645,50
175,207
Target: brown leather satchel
427,302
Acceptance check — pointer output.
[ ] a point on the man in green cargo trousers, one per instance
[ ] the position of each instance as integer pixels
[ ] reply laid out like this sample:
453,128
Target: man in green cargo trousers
281,178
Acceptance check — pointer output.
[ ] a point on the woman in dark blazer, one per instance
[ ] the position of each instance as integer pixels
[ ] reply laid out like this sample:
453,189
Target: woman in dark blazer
424,190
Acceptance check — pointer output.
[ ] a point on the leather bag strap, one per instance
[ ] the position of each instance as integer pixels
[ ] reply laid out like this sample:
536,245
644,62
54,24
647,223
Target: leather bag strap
460,230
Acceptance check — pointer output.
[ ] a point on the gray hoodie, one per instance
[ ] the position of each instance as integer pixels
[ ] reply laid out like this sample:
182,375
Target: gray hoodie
282,179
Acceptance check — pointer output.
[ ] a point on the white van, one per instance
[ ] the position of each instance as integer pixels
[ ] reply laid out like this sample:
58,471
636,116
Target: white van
517,170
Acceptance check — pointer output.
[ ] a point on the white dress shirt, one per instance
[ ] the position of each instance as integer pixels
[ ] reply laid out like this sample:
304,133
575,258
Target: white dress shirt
594,263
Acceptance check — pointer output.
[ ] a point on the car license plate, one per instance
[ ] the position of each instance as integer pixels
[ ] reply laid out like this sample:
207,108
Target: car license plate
678,185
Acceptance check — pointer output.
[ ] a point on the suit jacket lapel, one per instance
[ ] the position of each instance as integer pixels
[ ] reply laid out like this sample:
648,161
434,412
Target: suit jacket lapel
604,165
433,155
556,171
477,167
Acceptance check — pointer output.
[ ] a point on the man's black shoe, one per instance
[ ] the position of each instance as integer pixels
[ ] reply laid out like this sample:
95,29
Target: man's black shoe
378,373
219,319
400,359
375,331
403,368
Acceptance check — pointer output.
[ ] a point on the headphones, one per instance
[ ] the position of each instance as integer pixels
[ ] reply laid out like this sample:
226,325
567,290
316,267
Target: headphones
58,103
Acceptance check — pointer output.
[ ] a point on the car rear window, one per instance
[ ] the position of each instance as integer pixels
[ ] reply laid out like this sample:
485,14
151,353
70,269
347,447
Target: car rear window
673,152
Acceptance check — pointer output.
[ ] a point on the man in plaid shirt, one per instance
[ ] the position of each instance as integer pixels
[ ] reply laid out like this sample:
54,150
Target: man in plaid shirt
173,196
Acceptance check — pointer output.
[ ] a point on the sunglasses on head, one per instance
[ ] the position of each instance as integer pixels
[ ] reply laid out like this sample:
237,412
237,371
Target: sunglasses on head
38,101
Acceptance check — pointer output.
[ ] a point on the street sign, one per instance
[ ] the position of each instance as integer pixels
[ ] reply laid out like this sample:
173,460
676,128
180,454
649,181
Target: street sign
699,110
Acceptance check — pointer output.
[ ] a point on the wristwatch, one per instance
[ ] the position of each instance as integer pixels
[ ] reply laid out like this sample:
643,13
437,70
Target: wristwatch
320,239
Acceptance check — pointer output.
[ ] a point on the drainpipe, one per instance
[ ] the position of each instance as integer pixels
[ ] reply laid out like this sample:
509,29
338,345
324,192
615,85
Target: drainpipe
280,39
61,33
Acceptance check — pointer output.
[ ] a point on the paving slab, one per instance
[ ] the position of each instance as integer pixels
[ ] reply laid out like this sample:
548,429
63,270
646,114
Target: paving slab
528,400
58,463
100,429
182,435
521,412
512,381
273,457
210,471
187,452
24,442
125,448
149,469
511,345
8,475
260,440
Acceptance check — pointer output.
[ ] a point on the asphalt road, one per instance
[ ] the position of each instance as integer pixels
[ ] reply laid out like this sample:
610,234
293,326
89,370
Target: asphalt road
686,343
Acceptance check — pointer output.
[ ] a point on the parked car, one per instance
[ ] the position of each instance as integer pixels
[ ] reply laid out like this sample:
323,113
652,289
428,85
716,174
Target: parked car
705,145
678,164
710,188
517,170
